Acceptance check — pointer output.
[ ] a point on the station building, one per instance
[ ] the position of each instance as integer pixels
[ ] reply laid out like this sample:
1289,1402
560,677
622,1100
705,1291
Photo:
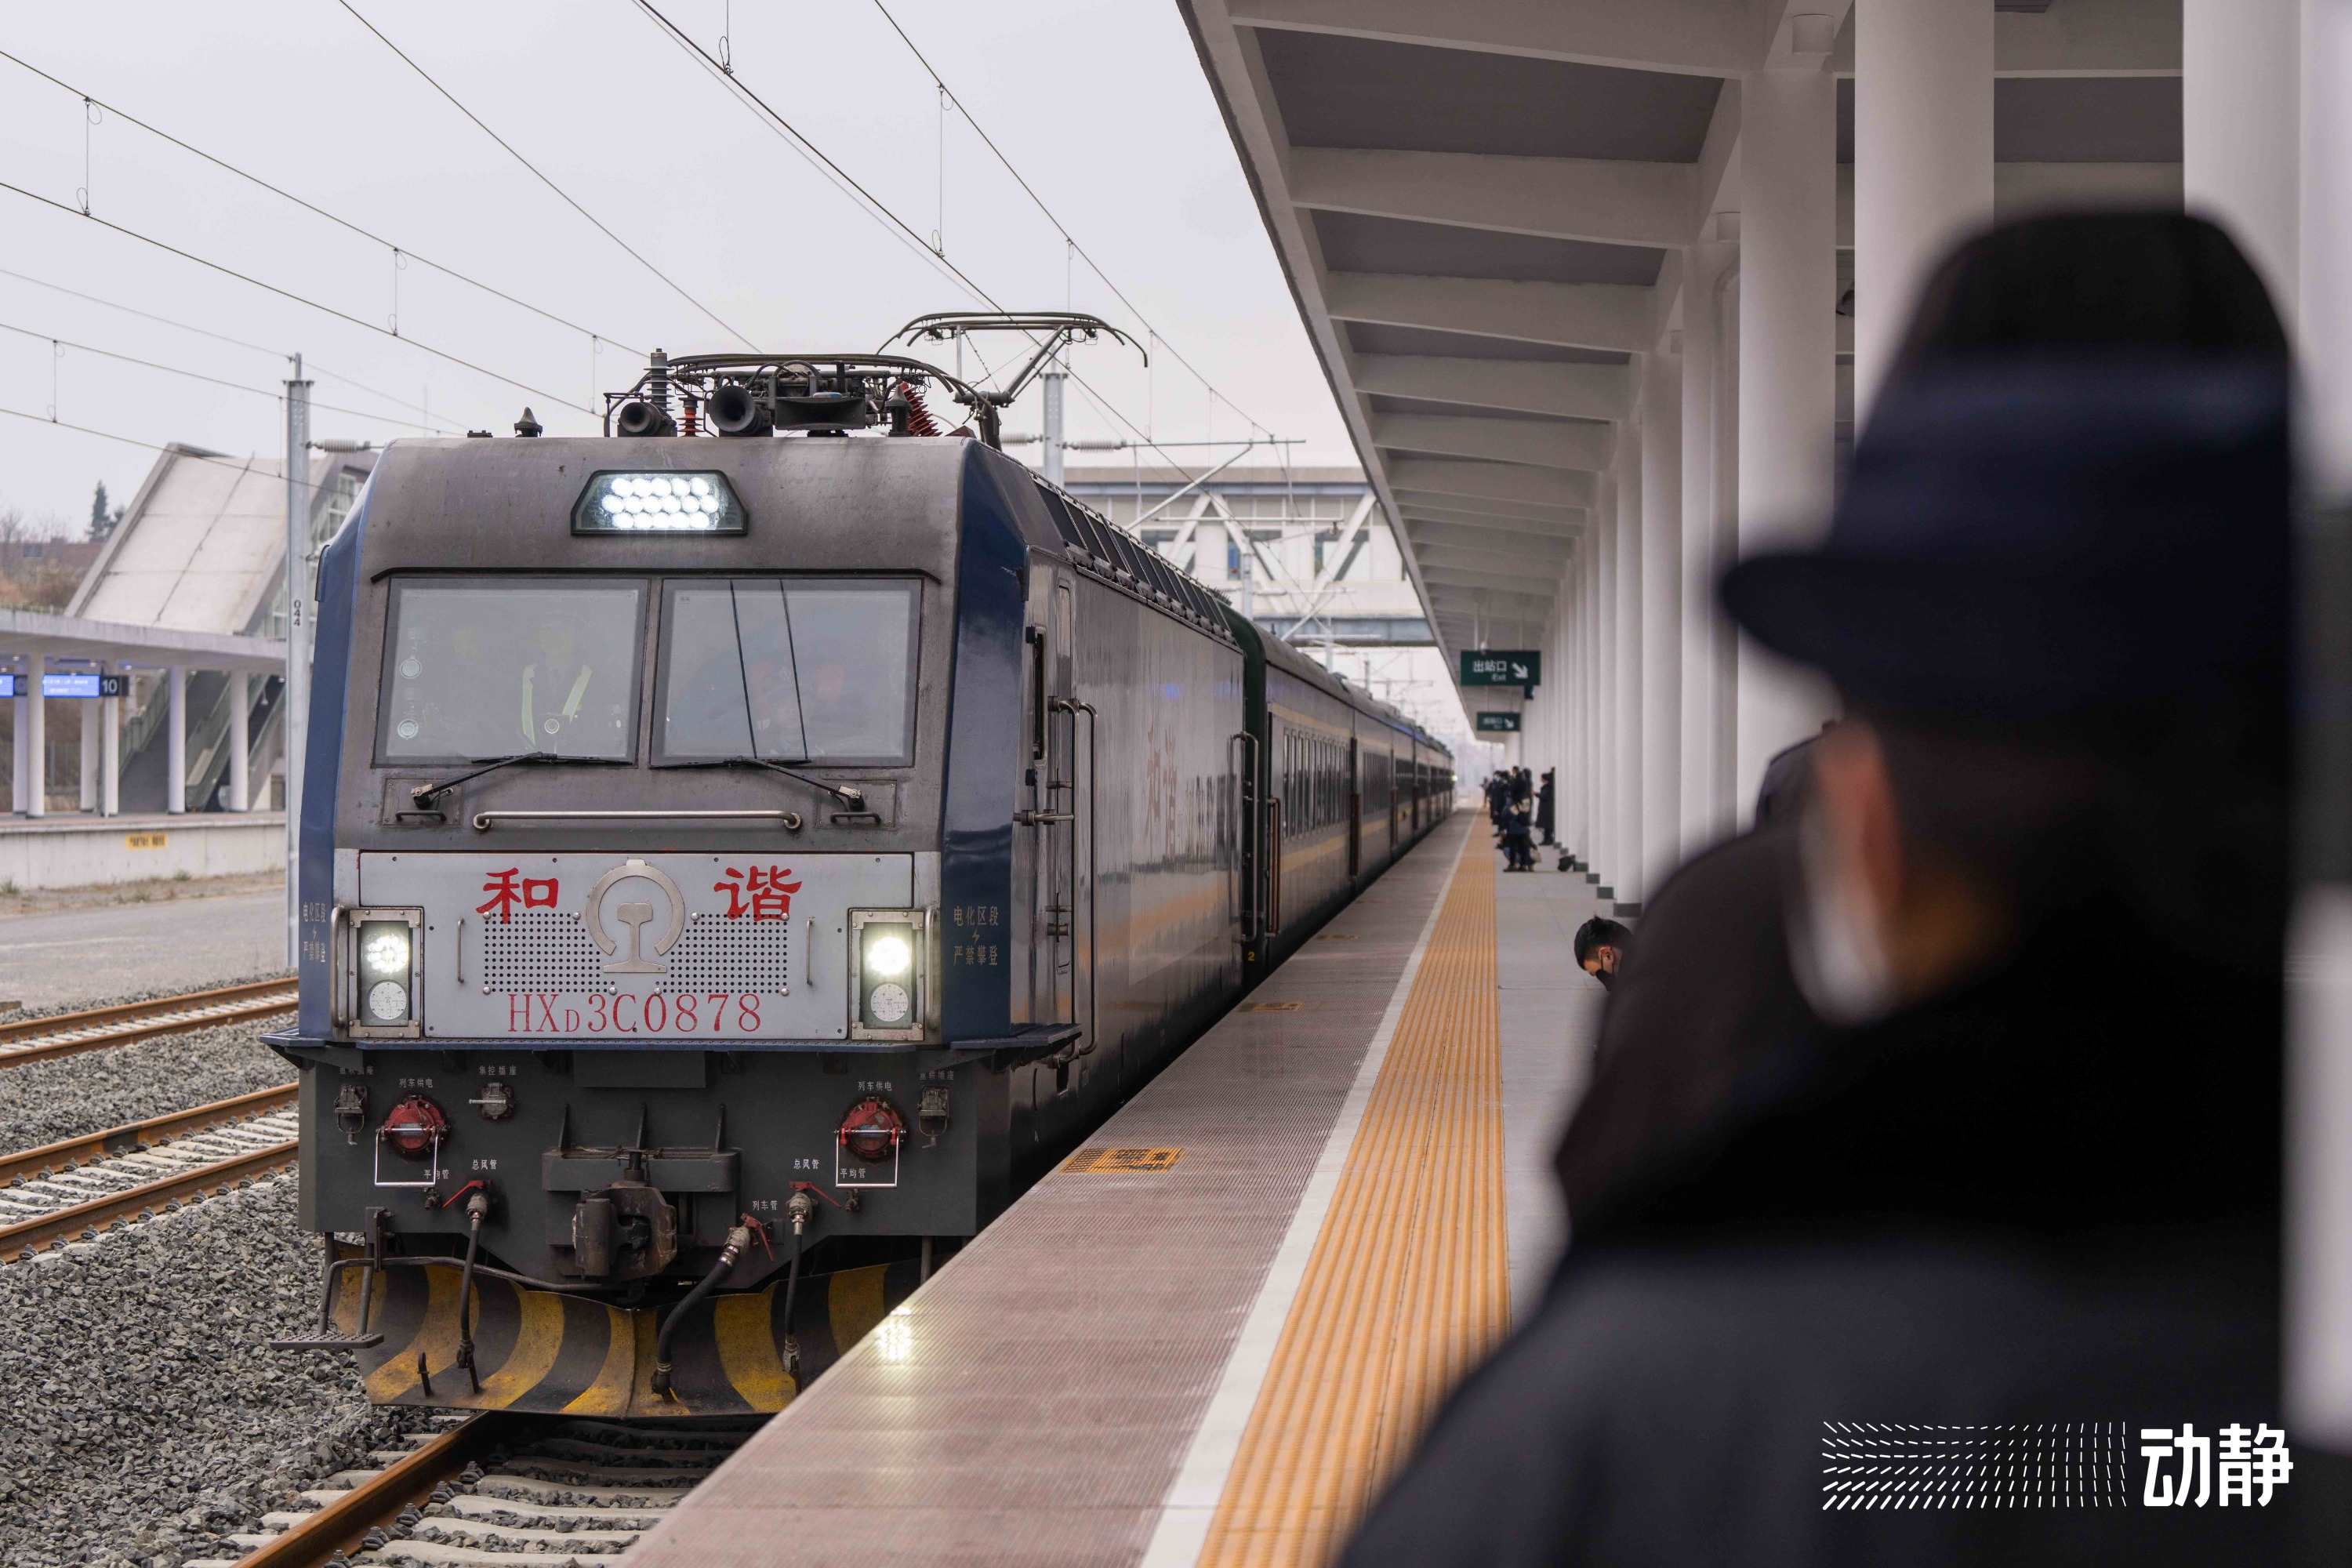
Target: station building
145,735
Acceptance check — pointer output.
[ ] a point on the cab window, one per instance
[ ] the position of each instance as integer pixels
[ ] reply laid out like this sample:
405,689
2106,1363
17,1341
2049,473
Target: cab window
481,669
786,670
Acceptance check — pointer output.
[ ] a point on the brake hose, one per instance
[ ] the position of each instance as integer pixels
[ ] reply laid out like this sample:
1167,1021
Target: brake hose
738,1240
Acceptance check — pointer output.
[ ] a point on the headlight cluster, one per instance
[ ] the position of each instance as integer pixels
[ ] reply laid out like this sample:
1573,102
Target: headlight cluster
888,979
382,968
658,503
384,972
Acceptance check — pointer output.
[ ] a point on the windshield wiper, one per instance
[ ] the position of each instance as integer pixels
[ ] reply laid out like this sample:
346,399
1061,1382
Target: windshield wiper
426,794
849,796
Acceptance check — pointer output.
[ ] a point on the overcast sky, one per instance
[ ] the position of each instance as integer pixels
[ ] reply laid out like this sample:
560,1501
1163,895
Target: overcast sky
1100,104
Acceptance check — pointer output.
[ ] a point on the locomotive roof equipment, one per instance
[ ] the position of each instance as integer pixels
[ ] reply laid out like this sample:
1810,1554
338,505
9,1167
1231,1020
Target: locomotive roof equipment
752,394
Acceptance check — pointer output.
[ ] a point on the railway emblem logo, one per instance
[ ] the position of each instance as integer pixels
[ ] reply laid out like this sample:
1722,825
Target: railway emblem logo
636,915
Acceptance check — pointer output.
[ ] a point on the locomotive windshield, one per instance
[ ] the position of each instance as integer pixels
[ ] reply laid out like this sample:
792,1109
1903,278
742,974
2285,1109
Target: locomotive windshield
485,669
791,671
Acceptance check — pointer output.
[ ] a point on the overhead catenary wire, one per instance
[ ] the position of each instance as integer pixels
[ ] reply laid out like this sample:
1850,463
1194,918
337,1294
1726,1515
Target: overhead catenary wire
181,447
273,393
1061,228
310,206
675,287
874,205
315,368
417,343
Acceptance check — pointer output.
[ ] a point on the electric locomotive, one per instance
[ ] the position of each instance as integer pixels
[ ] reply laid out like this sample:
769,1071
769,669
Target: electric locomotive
741,852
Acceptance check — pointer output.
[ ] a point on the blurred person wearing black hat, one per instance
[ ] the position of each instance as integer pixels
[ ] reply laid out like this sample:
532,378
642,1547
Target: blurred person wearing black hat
1929,1177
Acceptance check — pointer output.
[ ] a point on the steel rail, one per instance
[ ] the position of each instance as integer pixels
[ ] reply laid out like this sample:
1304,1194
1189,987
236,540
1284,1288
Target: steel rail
96,1028
342,1525
137,1135
50,1229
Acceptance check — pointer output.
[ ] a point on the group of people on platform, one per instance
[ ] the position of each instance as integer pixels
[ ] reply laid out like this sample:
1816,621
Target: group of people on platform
1523,813
1925,1198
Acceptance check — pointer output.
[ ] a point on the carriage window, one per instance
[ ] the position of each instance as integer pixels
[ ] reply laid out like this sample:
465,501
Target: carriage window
479,669
789,670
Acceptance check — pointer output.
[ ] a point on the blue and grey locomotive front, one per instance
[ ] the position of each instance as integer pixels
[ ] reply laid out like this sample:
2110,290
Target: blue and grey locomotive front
701,843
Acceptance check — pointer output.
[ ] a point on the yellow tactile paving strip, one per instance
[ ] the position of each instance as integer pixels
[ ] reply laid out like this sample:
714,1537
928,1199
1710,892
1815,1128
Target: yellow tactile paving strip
1408,1287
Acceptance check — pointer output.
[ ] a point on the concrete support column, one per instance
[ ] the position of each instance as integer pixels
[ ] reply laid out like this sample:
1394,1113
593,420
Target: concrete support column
1625,770
1592,623
21,729
1604,684
36,737
175,749
1788,349
1922,161
110,755
86,774
1705,268
240,741
2242,131
1661,618
2318,1343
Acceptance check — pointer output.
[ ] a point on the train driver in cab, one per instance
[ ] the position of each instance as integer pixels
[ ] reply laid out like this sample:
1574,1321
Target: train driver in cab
556,686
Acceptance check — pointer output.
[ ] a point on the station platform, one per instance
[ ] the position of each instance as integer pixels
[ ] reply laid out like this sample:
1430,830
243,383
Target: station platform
85,850
1209,1336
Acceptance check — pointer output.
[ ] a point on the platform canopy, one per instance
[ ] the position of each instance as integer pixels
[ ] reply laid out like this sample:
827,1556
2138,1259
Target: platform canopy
75,637
1495,215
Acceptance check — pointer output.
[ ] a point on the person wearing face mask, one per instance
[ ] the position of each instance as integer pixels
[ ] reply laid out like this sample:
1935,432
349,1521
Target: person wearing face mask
1939,1105
1600,945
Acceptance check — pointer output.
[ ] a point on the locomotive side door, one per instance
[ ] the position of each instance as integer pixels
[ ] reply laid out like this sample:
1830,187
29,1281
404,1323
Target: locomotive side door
1047,831
1355,808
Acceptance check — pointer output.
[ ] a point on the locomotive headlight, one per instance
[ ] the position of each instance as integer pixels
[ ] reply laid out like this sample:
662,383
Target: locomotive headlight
887,974
379,964
383,949
387,1002
658,503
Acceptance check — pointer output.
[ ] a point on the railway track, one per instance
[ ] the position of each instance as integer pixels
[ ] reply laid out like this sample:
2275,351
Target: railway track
530,1491
95,1028
72,1189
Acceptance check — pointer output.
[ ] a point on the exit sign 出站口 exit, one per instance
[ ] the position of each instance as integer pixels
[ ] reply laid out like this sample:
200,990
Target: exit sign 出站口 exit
1482,666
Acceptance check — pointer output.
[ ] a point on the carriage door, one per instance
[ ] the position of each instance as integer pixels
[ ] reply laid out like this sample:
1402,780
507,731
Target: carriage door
1045,846
1355,807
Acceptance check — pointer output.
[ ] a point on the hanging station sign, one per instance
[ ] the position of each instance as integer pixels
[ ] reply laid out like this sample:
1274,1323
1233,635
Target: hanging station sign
1484,667
70,684
1499,723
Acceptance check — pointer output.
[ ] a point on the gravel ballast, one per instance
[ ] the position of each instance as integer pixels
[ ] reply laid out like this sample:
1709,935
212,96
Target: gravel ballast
147,1415
152,994
68,1097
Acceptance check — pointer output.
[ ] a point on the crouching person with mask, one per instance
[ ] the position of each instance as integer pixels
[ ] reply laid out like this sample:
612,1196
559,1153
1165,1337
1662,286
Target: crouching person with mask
1952,1237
